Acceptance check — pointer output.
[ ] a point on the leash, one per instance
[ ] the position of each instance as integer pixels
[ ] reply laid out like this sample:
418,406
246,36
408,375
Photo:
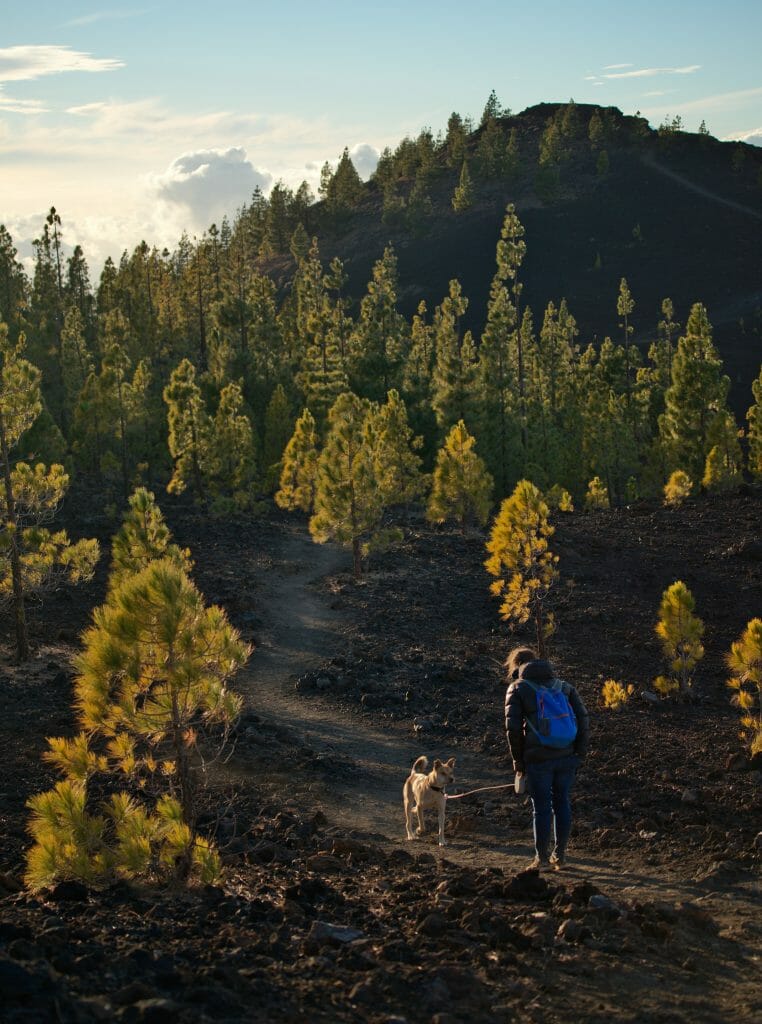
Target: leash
484,789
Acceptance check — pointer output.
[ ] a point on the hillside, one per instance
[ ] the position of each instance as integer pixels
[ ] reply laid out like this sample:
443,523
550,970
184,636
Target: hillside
693,202
327,913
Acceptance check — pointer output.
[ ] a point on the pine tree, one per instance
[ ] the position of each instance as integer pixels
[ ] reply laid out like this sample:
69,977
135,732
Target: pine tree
624,307
394,446
151,678
14,287
723,470
597,494
462,487
278,424
680,632
298,475
347,502
455,365
417,381
463,196
502,362
596,131
229,461
754,417
697,394
115,387
492,109
678,488
32,559
420,208
379,340
76,362
521,560
745,662
455,140
142,538
189,427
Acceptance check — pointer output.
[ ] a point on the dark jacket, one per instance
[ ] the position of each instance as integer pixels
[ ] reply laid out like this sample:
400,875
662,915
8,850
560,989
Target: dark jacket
521,705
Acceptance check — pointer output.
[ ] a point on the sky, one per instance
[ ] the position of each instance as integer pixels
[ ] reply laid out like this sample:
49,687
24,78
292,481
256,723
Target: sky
141,120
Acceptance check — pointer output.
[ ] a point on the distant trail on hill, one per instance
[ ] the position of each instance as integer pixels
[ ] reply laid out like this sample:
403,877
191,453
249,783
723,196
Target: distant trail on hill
699,189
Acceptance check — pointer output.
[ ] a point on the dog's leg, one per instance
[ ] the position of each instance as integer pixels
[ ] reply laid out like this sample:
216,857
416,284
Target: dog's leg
441,822
421,827
406,797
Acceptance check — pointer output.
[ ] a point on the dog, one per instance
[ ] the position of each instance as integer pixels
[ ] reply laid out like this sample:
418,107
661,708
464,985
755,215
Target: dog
424,790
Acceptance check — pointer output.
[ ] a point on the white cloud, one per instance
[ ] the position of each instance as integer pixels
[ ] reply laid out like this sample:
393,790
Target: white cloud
753,136
650,72
210,183
720,101
26,63
364,157
96,16
11,105
615,67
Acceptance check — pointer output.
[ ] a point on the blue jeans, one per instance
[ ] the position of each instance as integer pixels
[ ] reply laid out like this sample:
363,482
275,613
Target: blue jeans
550,784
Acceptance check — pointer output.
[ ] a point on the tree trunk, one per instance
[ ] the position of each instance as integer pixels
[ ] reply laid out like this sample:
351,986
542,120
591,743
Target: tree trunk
183,775
539,632
22,640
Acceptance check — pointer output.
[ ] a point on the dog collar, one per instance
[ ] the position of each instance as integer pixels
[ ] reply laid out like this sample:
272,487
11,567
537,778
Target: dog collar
437,789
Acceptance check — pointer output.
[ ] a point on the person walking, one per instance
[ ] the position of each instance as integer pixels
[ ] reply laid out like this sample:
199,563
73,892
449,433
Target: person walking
547,727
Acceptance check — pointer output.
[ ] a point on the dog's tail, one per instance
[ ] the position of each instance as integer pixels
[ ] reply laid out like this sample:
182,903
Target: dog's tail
420,764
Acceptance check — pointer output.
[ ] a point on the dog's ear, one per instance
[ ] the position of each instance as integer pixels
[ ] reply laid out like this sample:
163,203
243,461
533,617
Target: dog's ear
437,764
451,763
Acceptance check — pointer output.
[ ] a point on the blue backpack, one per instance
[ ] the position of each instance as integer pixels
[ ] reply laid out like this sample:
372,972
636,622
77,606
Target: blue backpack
556,721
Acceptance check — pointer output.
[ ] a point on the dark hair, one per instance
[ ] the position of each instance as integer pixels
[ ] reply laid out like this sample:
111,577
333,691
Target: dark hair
516,658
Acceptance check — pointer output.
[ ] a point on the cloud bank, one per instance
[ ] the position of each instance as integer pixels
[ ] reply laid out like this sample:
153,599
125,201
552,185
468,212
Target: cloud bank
365,158
650,72
26,63
210,183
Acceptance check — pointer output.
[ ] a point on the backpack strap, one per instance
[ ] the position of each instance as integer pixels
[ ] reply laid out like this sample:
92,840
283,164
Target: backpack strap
533,686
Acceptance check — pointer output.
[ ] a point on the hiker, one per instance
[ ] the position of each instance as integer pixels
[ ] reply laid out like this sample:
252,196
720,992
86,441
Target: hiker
547,745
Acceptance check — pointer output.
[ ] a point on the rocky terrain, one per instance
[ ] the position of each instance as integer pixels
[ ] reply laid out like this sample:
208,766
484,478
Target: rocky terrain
327,913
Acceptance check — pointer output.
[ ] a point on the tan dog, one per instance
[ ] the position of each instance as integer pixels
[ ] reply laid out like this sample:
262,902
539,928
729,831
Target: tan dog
424,790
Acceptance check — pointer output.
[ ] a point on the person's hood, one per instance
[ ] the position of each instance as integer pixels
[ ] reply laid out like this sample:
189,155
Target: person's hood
539,671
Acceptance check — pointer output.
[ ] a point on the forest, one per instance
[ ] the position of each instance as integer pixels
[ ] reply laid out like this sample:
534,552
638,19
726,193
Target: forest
246,390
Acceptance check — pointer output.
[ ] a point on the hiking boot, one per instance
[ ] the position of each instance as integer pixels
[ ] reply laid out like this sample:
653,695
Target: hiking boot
539,865
557,861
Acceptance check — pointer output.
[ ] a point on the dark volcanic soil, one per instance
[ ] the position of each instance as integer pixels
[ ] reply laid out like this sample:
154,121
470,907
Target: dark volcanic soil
328,914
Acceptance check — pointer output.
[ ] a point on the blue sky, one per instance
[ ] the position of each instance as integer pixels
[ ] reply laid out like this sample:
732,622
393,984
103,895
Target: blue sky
144,119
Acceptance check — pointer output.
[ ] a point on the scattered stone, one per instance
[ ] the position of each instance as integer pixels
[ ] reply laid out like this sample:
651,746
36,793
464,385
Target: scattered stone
649,696
131,993
96,1008
153,1011
325,864
15,981
690,796
351,848
758,842
10,883
572,931
433,925
603,905
526,885
323,933
422,725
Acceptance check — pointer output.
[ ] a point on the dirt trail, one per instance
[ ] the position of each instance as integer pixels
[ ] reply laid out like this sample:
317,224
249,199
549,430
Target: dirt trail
365,767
